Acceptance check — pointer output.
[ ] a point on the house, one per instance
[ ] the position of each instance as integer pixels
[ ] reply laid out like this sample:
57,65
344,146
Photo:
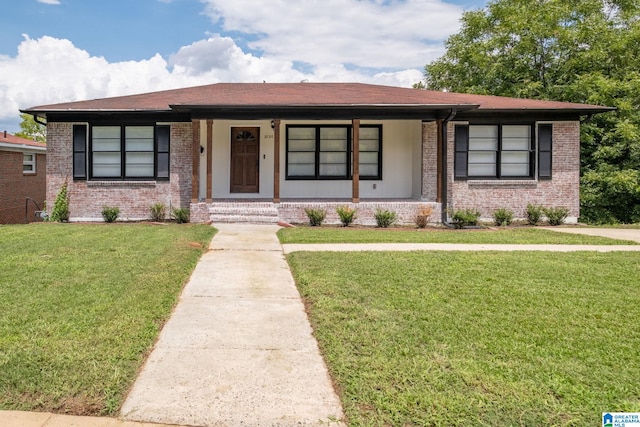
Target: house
22,178
265,152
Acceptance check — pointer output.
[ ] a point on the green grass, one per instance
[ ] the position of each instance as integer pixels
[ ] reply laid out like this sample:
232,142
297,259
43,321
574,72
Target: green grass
518,235
82,305
477,339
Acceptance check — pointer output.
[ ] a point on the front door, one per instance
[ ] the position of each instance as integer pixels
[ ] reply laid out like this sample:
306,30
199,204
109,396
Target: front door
245,160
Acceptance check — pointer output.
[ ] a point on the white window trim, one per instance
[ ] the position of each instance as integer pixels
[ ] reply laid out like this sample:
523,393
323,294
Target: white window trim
31,163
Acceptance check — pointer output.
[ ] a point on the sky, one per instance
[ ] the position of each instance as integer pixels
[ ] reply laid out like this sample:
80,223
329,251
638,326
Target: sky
55,51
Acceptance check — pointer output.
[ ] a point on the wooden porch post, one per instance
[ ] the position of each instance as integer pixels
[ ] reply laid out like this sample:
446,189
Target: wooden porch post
276,161
355,191
439,162
209,160
195,158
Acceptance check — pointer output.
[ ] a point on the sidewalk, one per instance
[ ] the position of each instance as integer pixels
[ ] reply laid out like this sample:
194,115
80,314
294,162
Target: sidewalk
238,349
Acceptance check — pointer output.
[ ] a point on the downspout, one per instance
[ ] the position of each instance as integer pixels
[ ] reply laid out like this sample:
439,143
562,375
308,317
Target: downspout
35,119
443,206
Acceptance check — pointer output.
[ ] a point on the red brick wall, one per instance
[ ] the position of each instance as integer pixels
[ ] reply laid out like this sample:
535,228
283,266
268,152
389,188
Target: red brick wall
562,190
15,187
134,198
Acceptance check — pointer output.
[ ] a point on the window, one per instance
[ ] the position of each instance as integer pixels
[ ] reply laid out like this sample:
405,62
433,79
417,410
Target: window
494,151
326,152
121,152
29,163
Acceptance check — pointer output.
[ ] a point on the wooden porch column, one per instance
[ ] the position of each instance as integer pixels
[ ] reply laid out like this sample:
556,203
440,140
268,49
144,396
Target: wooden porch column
276,161
439,162
355,191
195,158
209,160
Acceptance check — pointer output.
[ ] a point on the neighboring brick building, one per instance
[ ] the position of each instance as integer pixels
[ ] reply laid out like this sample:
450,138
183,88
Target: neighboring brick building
23,170
265,152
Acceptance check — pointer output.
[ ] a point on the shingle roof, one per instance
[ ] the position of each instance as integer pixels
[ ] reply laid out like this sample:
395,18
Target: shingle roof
305,95
18,142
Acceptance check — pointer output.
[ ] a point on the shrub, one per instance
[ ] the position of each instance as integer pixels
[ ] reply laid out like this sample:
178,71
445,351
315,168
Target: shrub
423,216
385,218
60,212
110,213
534,214
503,216
465,217
181,215
316,216
556,216
347,215
158,212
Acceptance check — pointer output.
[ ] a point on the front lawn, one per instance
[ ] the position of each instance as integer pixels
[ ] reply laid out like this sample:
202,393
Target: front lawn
82,305
517,235
477,339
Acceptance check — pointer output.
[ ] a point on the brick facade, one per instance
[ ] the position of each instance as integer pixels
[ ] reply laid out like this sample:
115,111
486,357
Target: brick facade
563,190
16,186
134,198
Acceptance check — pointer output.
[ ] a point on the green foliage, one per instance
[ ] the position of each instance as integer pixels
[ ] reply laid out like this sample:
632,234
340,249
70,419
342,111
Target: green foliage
158,212
423,216
110,213
60,212
181,215
556,216
316,216
347,215
534,214
385,218
30,129
465,217
584,51
503,216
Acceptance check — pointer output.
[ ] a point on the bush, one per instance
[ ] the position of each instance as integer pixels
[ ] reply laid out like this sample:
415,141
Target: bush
158,212
385,218
502,216
181,215
110,214
60,212
347,215
423,216
556,216
465,217
316,216
534,214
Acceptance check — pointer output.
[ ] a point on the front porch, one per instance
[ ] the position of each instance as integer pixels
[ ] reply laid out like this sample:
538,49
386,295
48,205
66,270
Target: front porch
292,211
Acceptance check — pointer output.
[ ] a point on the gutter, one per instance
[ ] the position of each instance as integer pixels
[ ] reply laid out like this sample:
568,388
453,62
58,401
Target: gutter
443,206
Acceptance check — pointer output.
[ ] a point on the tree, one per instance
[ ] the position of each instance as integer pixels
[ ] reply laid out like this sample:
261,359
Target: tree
30,129
568,50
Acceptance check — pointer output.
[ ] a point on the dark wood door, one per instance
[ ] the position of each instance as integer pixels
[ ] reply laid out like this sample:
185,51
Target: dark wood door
245,160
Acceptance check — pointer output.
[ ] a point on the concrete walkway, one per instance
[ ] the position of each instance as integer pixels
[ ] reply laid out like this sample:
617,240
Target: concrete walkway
359,247
632,234
238,349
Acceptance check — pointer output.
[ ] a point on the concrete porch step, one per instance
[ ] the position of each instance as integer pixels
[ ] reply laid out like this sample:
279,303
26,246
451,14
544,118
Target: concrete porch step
256,213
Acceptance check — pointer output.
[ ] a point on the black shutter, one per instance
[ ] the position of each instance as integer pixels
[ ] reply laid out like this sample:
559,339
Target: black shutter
545,151
462,150
79,152
162,152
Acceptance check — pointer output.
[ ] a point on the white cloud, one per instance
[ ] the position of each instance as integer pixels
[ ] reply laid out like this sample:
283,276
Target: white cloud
54,2
389,34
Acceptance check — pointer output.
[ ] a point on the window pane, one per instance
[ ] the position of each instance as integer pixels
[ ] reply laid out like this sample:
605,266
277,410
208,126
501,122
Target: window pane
302,170
521,157
163,138
28,158
79,165
488,132
138,132
482,169
515,144
106,144
27,168
139,170
108,132
369,133
106,171
515,170
106,158
302,158
333,145
333,170
139,158
369,145
516,131
302,145
483,144
139,145
369,158
368,170
333,133
333,158
482,157
163,165
302,133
